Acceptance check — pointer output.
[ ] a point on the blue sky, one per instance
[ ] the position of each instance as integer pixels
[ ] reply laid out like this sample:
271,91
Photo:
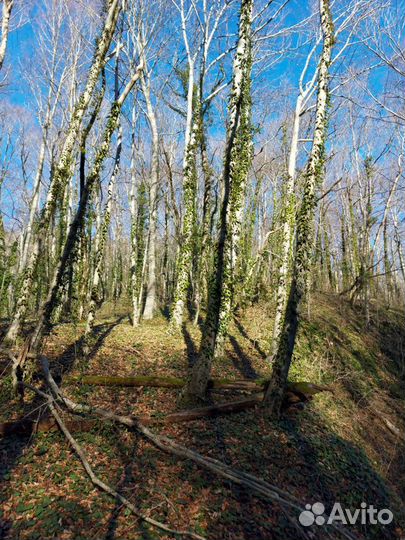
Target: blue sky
274,90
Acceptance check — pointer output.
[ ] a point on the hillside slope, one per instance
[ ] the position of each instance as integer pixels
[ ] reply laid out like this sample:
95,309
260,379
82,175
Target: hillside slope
347,447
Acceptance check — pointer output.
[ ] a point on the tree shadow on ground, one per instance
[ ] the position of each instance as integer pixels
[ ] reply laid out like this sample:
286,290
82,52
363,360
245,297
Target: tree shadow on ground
125,482
298,454
191,348
242,361
12,448
49,524
67,360
307,459
48,514
242,330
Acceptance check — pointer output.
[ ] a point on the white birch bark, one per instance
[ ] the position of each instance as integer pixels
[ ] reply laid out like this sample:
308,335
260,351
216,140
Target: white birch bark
134,259
184,260
398,242
305,93
185,252
60,175
102,232
44,316
305,222
5,27
238,155
150,302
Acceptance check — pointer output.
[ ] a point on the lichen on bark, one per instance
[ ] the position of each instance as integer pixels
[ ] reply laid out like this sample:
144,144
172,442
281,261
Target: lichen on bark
305,223
237,162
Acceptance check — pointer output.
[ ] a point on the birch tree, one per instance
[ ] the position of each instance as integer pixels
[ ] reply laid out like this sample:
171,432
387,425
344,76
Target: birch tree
210,20
348,19
184,260
153,181
103,227
33,342
194,248
150,302
52,46
61,171
305,222
288,201
5,27
237,161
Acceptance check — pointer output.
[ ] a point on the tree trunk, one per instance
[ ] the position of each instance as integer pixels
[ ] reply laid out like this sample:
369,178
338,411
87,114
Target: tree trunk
287,231
134,258
102,232
5,25
61,172
305,223
104,223
150,301
238,156
184,261
75,227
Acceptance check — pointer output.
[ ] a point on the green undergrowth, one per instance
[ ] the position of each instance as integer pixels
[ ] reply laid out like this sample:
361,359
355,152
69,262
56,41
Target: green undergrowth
338,449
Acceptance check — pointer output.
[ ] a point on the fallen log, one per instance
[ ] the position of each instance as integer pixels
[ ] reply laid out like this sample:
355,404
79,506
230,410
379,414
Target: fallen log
164,382
97,481
256,485
297,393
27,427
206,412
301,388
290,403
141,380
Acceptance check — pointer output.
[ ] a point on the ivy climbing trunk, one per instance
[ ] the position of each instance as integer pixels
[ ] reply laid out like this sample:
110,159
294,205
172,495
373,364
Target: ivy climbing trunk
134,243
237,162
185,256
103,226
102,239
62,169
288,221
75,228
204,239
305,223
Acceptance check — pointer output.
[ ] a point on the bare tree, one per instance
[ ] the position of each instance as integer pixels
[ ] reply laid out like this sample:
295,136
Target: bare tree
237,161
305,222
62,169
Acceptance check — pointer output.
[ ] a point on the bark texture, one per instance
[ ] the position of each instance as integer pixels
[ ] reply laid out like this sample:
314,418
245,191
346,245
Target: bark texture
305,223
238,156
185,257
62,171
5,26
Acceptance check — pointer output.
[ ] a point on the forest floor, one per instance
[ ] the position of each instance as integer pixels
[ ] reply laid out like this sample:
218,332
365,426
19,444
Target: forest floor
342,447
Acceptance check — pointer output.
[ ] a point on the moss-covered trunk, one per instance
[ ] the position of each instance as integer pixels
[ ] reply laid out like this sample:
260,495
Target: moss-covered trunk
238,156
61,172
186,248
69,251
305,223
